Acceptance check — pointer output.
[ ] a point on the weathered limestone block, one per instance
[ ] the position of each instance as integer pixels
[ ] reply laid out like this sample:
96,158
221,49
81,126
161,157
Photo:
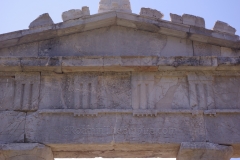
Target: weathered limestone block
176,18
85,11
120,41
25,151
204,151
42,20
75,14
115,90
193,20
223,129
26,95
171,92
226,91
12,127
19,91
10,64
177,47
86,91
25,50
72,14
114,5
205,49
151,13
109,128
228,52
201,91
224,27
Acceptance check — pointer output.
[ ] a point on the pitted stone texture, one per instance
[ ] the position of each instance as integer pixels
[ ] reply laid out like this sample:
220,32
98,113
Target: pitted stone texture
153,13
114,5
86,91
110,128
226,91
229,52
219,128
201,95
25,151
42,20
26,95
115,90
19,91
224,27
176,18
75,14
204,151
72,14
120,41
205,49
193,20
24,50
12,127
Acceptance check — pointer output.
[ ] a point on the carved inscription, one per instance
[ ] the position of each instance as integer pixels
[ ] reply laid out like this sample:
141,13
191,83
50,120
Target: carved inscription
26,92
201,91
168,132
142,91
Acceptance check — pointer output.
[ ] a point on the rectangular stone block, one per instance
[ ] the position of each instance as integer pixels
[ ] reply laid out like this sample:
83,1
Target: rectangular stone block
57,128
177,47
229,52
120,41
176,18
223,128
204,49
24,50
193,20
12,127
226,91
26,95
86,91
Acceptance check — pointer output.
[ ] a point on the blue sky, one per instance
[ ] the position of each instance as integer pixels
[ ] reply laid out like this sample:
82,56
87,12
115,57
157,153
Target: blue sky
17,15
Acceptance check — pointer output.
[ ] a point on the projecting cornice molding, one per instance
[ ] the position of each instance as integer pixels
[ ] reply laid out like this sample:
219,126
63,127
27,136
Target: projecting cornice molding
113,18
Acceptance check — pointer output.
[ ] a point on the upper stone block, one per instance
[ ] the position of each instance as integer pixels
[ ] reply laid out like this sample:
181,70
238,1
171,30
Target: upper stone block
224,27
114,5
75,14
193,20
151,13
42,20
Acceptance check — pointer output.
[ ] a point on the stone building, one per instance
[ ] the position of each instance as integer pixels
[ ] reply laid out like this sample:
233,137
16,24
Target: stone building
117,84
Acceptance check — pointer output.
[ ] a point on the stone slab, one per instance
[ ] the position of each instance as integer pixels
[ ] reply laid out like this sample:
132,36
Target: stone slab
25,50
176,18
115,5
204,151
205,49
193,20
152,13
25,151
112,129
224,27
12,127
42,20
72,14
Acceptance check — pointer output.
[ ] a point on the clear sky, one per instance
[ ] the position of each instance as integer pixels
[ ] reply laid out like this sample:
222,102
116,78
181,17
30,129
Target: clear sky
18,14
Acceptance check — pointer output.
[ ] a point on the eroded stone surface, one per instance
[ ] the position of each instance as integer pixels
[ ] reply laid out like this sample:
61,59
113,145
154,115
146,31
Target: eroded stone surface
205,49
114,5
25,151
193,20
12,127
42,20
110,128
72,14
224,27
204,151
176,18
153,13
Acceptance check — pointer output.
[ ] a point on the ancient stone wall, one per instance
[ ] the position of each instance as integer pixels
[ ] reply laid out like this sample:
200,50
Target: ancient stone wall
117,84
